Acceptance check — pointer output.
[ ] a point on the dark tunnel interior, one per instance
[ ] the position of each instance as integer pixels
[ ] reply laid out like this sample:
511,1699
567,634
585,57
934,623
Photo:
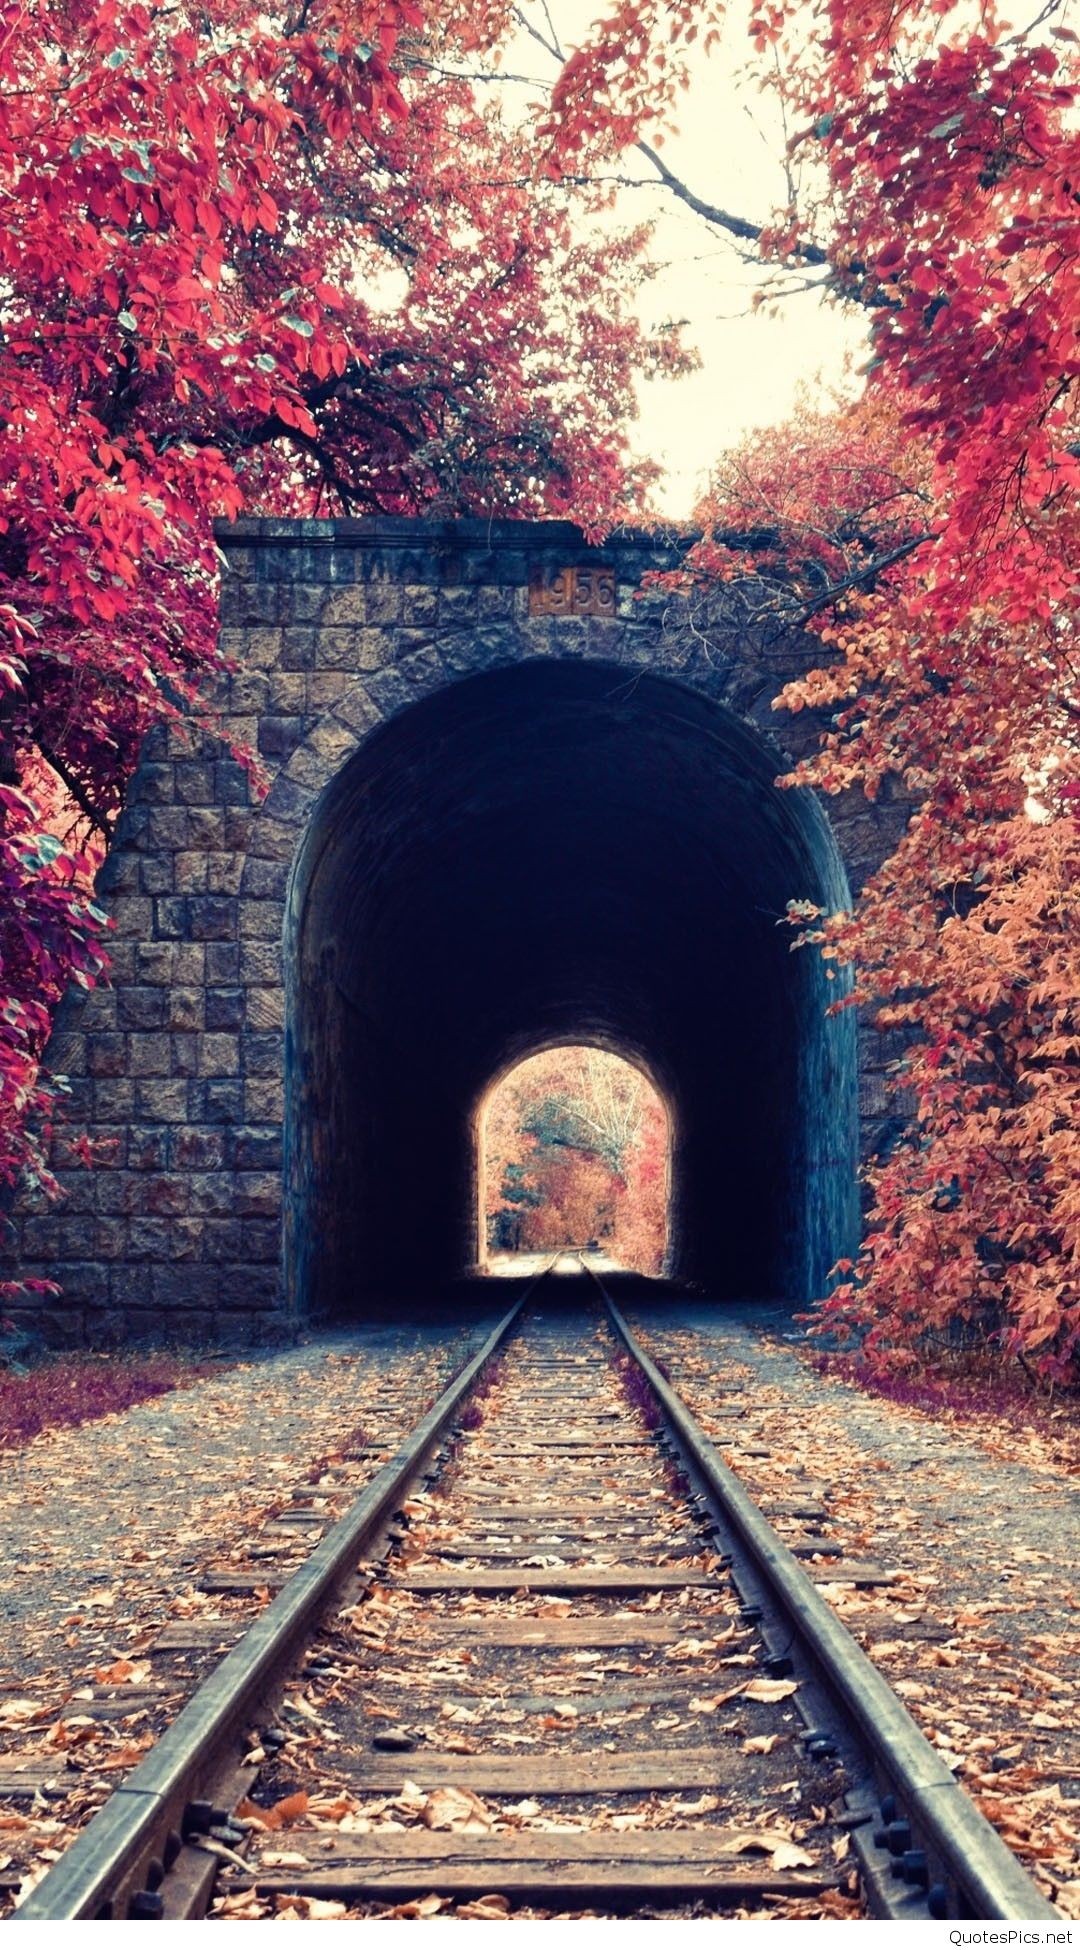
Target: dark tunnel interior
560,853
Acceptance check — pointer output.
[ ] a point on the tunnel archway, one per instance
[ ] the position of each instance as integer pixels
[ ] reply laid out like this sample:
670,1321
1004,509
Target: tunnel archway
560,852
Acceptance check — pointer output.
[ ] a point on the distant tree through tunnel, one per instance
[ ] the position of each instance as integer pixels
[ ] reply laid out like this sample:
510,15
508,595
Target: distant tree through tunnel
553,853
573,1149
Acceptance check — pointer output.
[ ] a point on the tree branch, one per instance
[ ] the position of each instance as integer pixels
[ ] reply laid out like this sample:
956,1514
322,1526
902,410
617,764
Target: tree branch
86,806
740,227
859,578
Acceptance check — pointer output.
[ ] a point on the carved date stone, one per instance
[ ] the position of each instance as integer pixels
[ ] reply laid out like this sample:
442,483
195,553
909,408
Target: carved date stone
588,591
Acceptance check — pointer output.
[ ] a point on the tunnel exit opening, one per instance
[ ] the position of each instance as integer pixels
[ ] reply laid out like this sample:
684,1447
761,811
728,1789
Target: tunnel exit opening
555,853
573,1151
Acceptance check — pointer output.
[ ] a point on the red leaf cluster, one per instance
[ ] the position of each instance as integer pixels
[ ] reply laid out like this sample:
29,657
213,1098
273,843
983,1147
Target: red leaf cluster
71,1389
284,261
931,537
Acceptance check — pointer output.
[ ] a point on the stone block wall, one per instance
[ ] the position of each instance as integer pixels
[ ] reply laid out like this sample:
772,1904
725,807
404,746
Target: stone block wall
177,1069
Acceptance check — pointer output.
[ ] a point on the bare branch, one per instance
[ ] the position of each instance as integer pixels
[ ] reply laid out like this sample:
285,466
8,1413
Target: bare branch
86,806
859,578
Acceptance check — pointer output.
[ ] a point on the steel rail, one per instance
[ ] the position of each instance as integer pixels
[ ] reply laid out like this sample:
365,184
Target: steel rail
103,1858
984,1869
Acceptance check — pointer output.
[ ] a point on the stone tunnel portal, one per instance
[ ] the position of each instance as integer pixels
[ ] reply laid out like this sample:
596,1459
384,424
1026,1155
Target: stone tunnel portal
561,852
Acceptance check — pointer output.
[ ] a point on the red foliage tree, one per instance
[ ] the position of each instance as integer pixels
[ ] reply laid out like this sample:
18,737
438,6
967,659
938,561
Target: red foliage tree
271,259
933,540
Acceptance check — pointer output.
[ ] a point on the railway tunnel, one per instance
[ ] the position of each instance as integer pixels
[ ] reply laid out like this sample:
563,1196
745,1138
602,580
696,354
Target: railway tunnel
561,852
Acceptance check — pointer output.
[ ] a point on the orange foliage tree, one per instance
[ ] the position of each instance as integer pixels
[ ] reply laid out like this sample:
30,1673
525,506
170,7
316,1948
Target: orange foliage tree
575,1150
966,940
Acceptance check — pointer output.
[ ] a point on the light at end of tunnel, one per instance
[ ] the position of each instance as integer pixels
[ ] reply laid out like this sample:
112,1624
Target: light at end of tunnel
573,1147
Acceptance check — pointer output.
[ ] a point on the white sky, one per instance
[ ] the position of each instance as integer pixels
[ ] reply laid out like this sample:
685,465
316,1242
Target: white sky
728,149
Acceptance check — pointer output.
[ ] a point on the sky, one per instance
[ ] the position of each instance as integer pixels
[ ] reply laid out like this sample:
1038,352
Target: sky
728,148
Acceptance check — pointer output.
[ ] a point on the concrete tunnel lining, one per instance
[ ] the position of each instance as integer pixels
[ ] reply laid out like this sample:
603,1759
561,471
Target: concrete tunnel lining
550,853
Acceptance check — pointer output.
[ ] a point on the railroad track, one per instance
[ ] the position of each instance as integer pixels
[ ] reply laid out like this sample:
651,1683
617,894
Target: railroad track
552,1657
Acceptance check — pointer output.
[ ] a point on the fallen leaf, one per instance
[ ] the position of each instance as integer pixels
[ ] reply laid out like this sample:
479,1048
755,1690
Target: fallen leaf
790,1856
279,1816
770,1689
457,1809
494,1909
243,1902
422,1906
715,1701
759,1841
14,1711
